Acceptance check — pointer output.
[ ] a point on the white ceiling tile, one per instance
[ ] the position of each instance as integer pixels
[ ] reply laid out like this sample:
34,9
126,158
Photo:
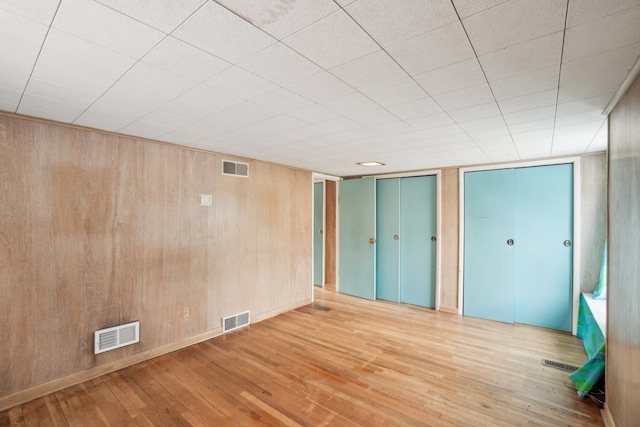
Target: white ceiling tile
274,125
431,121
47,90
341,124
52,113
398,92
410,110
475,112
64,75
502,153
388,23
237,81
182,137
491,140
63,109
493,135
280,64
532,126
589,117
528,102
281,100
600,141
467,8
148,86
95,23
332,41
532,136
250,112
584,105
35,10
281,18
610,65
467,97
484,123
470,155
160,14
371,70
110,115
353,101
163,118
494,29
320,87
13,81
530,115
9,100
435,49
523,58
187,110
527,83
313,114
611,32
185,60
21,42
210,98
218,124
220,32
452,77
392,128
371,117
581,11
144,129
586,89
535,148
83,55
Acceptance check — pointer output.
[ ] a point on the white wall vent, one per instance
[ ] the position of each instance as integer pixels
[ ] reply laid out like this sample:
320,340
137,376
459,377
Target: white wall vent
236,321
116,337
235,168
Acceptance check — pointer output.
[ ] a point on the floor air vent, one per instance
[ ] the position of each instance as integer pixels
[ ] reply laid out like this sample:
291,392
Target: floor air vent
559,365
234,322
116,337
235,168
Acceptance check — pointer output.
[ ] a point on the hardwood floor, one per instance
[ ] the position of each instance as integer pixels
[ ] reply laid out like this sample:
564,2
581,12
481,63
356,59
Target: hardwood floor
360,363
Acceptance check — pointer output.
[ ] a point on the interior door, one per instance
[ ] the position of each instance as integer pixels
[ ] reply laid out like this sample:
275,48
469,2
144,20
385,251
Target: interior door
417,249
388,235
544,234
489,245
318,239
357,222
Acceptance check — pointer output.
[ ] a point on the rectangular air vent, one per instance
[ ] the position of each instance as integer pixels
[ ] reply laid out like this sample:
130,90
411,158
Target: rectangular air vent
236,321
559,365
235,168
116,337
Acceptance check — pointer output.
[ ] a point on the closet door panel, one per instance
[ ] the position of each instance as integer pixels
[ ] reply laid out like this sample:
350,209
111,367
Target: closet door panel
417,250
387,234
544,221
318,243
489,261
357,237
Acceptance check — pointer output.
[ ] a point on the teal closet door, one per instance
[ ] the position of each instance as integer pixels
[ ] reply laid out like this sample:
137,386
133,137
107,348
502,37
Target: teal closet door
357,216
544,222
318,220
417,250
387,235
489,261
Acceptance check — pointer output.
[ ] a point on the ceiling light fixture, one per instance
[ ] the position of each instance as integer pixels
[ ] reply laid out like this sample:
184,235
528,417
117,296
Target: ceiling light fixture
370,164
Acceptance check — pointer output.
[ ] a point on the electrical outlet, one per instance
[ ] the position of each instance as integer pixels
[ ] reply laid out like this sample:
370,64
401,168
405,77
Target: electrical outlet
186,312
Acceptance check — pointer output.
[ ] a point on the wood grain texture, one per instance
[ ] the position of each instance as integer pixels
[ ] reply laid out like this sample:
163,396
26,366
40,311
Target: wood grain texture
330,227
623,295
361,363
98,230
449,247
593,218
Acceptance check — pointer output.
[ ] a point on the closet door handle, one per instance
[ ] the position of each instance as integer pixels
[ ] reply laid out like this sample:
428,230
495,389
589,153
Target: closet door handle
510,242
396,237
433,238
566,243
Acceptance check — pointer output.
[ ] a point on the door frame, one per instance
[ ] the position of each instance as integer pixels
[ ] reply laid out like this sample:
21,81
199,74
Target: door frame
575,280
438,174
315,178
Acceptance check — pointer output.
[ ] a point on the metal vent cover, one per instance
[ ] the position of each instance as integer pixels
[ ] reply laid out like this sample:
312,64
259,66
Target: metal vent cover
116,337
559,365
235,321
235,168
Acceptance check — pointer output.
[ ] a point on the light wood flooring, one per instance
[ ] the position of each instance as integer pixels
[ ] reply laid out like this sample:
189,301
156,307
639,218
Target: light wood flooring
360,363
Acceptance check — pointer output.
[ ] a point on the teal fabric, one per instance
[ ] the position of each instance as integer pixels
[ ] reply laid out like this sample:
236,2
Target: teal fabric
601,289
594,344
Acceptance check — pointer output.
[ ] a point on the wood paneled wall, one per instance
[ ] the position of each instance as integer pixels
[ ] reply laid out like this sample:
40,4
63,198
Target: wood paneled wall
623,313
449,191
330,242
98,230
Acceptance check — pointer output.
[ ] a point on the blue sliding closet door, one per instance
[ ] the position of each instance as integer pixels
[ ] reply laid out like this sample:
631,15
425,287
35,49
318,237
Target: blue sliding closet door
357,256
388,244
318,224
489,261
544,206
417,250
518,245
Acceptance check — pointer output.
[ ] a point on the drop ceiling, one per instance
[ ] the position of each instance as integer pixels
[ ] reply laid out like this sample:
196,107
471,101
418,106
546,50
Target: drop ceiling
323,85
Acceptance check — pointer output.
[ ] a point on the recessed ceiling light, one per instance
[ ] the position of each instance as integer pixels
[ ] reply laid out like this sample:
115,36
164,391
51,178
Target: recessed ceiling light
369,164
